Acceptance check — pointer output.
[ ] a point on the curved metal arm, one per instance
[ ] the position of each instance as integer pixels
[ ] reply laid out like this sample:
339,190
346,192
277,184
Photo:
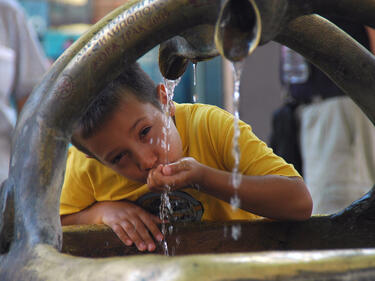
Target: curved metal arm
71,85
344,60
30,229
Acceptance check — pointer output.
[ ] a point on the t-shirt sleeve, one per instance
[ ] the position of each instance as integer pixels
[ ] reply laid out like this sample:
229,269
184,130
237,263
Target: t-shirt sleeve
256,158
77,191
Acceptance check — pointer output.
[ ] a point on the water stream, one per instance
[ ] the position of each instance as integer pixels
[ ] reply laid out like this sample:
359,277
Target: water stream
236,175
195,73
165,206
195,95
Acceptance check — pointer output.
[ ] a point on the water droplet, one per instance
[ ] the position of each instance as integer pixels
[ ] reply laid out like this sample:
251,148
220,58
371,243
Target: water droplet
236,231
235,202
236,179
195,98
165,248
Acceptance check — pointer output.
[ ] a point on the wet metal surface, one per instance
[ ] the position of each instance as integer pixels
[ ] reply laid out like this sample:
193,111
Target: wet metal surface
30,231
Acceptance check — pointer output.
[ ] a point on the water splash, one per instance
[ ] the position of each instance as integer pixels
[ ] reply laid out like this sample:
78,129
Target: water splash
195,98
235,202
165,206
236,231
165,209
236,175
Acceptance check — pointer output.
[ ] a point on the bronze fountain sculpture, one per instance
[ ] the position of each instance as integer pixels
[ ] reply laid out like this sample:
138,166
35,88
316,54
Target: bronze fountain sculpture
333,247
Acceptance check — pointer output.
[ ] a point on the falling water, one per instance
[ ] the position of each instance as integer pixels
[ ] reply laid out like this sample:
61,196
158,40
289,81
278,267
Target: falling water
195,96
195,73
165,206
236,175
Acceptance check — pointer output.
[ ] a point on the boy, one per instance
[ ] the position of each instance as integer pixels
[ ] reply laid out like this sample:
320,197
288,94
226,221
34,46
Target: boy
122,137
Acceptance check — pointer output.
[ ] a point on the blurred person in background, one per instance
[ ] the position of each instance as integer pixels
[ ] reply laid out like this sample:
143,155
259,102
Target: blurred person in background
330,140
22,65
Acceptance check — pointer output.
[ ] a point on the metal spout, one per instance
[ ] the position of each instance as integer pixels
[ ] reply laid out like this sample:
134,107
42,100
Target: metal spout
234,34
195,44
238,29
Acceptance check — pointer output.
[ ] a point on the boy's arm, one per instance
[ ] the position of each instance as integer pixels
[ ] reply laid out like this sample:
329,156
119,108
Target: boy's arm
130,222
272,196
79,205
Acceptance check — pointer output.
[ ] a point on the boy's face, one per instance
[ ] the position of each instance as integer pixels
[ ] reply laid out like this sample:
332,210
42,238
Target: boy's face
132,141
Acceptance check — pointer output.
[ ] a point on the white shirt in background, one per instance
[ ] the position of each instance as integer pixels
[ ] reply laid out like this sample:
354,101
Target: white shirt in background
22,65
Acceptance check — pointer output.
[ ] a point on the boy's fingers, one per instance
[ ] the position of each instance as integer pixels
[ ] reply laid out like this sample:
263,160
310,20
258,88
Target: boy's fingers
151,223
142,229
173,182
153,177
173,168
122,234
133,234
156,182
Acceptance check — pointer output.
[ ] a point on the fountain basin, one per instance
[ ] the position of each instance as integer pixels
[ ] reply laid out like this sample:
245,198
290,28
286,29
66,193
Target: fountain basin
318,233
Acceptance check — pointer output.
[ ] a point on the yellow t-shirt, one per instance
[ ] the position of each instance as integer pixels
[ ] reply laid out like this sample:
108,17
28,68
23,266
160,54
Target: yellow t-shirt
207,133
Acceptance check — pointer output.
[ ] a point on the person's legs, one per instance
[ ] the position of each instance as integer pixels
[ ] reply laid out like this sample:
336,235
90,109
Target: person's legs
335,136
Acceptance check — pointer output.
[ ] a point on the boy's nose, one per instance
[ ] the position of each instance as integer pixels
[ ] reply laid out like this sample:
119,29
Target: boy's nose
147,159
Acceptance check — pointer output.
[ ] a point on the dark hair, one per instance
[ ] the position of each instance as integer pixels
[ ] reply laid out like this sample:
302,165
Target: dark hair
133,80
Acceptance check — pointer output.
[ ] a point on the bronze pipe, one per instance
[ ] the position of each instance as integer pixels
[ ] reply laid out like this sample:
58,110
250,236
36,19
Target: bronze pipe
36,170
234,35
275,16
33,235
32,125
287,22
240,17
176,53
361,11
238,29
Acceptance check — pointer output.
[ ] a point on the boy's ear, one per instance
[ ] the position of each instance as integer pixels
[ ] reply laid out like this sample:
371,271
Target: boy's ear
163,98
162,94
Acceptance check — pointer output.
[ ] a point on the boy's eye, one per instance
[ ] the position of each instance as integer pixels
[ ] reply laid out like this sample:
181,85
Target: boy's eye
118,158
144,132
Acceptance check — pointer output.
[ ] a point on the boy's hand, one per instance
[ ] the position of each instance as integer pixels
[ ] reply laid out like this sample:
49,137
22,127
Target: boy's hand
179,174
131,224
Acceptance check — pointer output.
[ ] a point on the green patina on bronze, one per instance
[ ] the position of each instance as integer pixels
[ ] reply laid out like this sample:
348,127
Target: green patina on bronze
30,232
